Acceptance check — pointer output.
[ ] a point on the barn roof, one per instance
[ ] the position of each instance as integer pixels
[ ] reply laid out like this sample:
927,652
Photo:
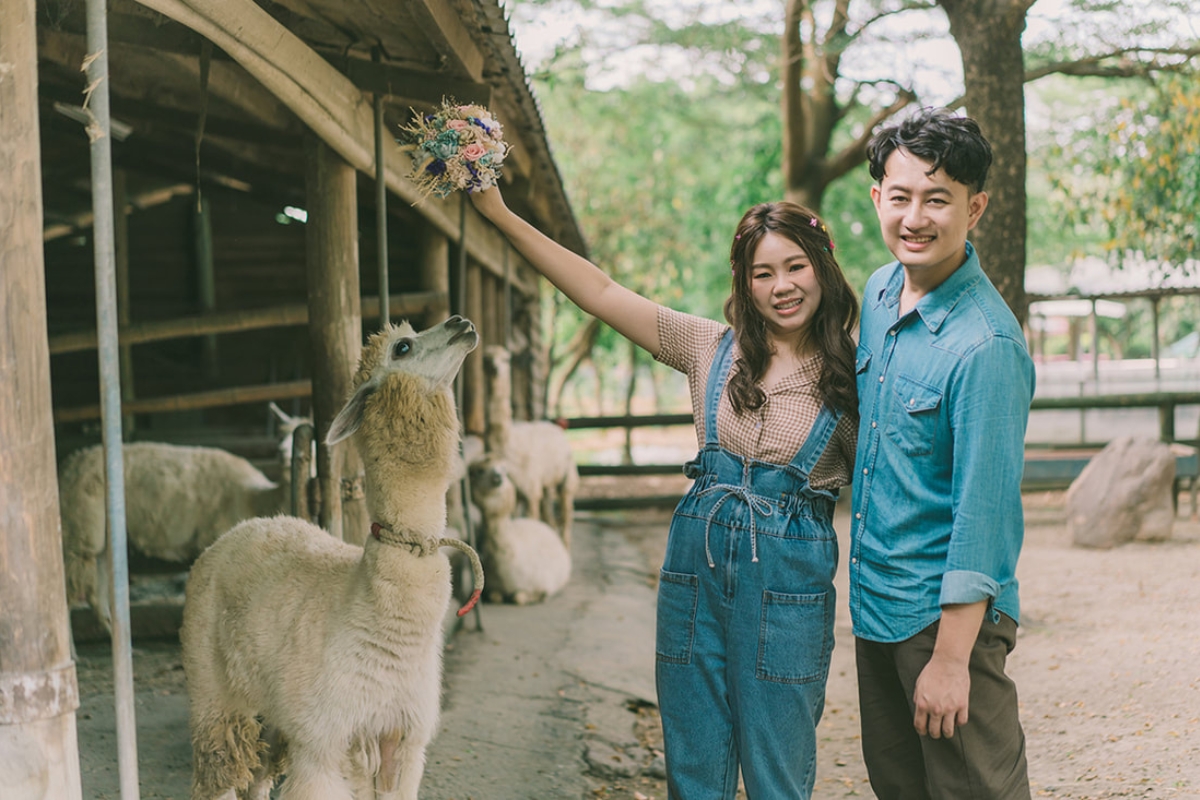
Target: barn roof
249,79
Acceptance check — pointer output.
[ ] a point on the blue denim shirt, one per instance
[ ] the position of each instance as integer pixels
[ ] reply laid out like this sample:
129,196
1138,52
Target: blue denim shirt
944,395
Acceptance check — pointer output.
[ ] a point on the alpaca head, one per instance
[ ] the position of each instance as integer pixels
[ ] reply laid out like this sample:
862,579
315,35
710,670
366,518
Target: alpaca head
399,360
404,422
491,488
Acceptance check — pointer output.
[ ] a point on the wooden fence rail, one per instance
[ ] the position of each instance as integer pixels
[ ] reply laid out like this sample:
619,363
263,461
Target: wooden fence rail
1165,402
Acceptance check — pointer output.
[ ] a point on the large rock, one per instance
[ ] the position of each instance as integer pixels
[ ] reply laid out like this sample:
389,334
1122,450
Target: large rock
1123,494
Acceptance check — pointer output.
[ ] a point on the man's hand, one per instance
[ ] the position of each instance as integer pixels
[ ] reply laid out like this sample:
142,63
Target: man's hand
941,697
944,685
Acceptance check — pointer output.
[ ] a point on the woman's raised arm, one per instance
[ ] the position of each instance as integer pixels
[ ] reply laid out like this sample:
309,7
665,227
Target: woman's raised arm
589,287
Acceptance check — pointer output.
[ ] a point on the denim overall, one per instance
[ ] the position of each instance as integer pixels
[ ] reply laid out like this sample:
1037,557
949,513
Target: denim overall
745,618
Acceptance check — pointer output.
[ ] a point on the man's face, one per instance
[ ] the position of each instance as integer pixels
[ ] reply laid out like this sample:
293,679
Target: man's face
925,218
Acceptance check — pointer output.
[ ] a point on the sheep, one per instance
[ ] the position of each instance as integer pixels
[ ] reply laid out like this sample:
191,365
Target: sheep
295,640
178,500
537,454
525,559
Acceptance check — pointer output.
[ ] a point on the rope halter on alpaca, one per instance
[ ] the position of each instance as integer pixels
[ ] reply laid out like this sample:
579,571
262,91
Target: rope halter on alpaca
388,536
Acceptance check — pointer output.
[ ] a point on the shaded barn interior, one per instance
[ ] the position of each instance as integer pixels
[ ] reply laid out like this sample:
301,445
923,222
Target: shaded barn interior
210,170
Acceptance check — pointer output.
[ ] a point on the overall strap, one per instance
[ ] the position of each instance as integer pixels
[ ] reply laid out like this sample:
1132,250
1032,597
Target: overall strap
717,373
822,431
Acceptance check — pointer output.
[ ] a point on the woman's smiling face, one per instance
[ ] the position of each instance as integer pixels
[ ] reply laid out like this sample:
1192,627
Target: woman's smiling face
783,283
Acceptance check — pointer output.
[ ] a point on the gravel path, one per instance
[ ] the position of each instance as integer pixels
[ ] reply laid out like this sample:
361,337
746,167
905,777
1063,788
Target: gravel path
555,701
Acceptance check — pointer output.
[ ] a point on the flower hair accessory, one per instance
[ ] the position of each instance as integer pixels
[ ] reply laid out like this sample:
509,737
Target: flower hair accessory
813,222
455,148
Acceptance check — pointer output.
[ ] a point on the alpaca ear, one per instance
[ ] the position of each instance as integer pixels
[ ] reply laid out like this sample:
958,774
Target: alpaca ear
350,417
280,414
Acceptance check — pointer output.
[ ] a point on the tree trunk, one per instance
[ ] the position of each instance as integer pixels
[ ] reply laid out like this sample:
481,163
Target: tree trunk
988,33
630,391
578,350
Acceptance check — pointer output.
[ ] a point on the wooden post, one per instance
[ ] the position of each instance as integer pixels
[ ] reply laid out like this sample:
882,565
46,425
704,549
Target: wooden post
434,269
1166,422
1094,333
473,399
38,689
335,328
1154,343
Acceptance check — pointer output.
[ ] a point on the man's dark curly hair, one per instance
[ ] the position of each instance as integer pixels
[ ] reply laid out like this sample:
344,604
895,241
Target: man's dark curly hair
940,137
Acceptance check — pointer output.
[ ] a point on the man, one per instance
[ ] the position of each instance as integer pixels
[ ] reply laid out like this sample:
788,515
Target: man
944,383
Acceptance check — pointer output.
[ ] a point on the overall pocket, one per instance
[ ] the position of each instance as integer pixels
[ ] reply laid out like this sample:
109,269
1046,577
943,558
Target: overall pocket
795,638
676,617
914,417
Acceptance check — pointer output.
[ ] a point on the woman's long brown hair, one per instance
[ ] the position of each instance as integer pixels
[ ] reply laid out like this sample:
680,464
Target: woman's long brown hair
830,327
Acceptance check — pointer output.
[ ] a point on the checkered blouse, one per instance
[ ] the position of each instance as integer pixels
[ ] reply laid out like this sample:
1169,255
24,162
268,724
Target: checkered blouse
776,430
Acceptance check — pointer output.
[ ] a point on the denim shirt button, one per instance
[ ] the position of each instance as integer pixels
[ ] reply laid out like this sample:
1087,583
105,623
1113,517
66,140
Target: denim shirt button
858,516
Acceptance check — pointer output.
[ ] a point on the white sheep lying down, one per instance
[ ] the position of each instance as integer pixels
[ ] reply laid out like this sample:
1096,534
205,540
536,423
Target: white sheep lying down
525,559
296,641
178,500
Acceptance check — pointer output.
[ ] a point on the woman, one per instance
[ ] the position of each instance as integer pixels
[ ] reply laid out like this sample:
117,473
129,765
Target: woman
746,597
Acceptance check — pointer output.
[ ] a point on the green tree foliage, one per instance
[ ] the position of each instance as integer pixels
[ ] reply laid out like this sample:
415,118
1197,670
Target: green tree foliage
1147,171
658,177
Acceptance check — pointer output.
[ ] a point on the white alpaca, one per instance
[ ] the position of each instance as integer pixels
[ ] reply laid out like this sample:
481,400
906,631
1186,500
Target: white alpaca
537,454
322,659
525,559
178,500
456,522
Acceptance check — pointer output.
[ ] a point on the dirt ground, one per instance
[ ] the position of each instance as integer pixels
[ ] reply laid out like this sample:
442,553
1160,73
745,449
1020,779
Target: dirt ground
556,701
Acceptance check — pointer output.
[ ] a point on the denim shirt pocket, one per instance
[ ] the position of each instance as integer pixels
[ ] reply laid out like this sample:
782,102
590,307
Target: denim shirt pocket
862,361
914,417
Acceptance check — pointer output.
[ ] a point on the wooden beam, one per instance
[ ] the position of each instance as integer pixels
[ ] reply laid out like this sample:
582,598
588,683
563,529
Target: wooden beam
439,22
323,98
417,86
215,398
38,689
400,305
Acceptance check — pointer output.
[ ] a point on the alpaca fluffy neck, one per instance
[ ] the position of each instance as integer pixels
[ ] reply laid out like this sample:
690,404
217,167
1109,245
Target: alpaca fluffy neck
408,441
498,408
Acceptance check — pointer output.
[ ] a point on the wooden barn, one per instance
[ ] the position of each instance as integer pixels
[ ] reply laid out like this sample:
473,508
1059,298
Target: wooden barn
261,208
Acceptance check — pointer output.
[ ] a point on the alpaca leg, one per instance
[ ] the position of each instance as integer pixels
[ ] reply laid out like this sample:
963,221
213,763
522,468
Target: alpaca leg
270,766
313,777
536,510
566,513
547,513
224,753
101,600
406,761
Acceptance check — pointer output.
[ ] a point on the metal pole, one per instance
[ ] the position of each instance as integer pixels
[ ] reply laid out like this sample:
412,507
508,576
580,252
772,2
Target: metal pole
458,300
381,237
110,389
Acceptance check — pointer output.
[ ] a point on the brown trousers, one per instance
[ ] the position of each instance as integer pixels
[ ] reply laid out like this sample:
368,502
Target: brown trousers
984,760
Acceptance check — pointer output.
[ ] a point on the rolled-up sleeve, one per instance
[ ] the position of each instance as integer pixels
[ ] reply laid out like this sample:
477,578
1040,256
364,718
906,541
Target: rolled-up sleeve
991,393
